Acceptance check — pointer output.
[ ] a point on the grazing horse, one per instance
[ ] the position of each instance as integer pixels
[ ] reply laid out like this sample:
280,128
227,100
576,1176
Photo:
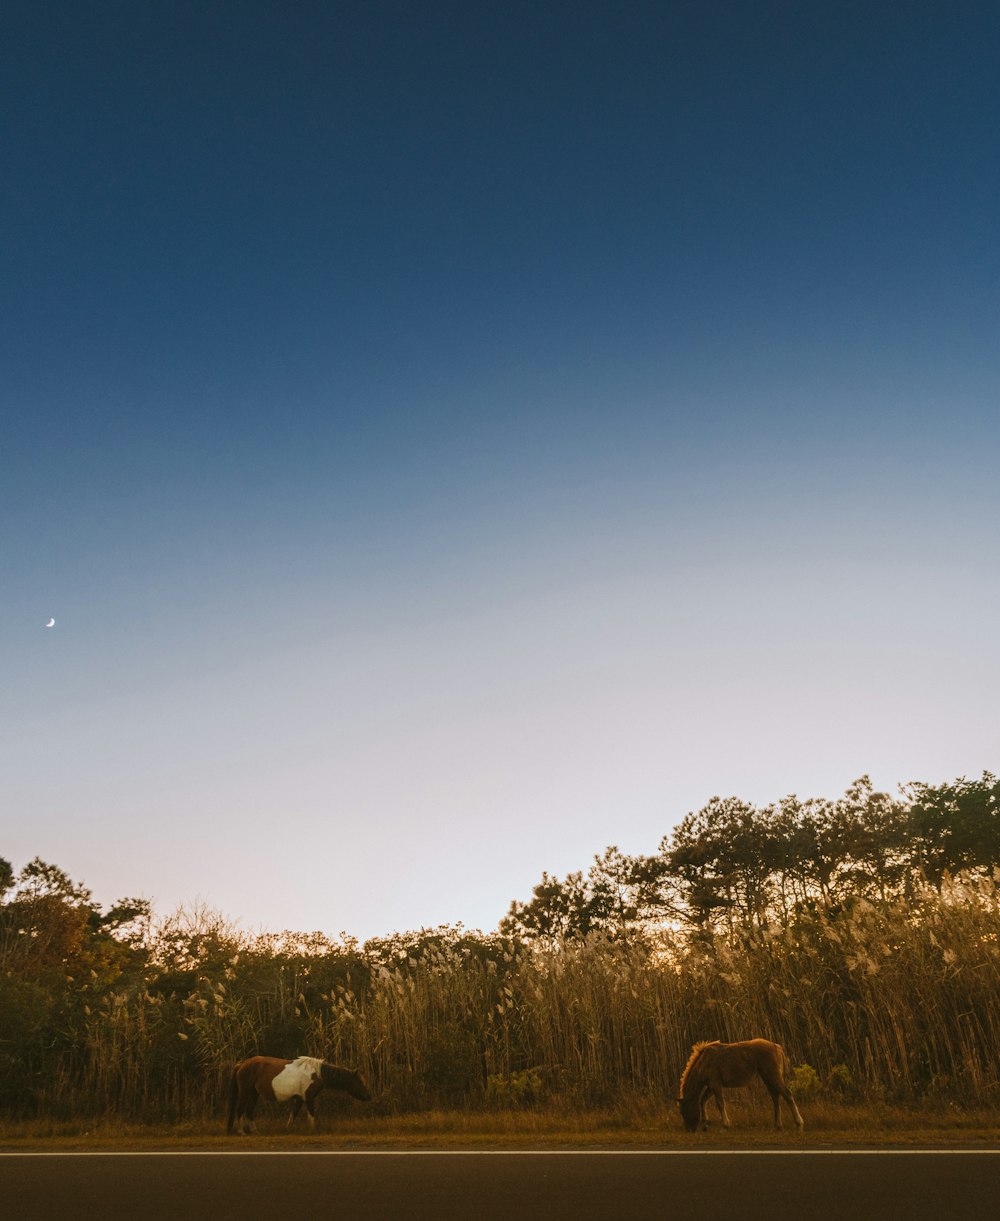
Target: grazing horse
714,1065
300,1080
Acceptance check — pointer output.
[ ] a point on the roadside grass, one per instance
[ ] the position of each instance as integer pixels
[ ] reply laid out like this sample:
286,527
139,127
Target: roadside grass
636,1127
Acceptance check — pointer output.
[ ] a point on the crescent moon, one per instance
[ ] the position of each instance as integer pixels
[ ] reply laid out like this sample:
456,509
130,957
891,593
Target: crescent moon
51,623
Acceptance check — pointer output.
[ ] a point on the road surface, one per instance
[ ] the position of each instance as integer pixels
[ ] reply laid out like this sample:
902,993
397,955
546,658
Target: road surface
914,1185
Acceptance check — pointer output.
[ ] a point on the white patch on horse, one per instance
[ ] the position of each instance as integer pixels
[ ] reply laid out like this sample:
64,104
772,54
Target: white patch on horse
295,1078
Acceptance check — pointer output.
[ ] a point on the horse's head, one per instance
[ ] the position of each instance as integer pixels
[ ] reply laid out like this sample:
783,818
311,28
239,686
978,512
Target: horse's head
358,1089
690,1109
346,1079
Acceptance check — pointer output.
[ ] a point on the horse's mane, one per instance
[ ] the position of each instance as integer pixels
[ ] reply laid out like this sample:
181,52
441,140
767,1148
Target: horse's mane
696,1052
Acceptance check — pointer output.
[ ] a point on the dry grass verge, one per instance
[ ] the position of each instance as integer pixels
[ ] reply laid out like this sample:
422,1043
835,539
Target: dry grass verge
828,1125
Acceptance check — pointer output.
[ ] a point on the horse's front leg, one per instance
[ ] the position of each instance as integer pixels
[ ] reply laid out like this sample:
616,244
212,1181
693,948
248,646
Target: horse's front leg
720,1102
296,1107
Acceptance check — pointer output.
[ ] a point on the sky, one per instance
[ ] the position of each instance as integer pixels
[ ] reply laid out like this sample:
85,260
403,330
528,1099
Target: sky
454,438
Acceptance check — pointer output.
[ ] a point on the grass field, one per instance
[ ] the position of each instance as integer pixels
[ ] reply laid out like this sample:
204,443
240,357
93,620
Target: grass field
826,1125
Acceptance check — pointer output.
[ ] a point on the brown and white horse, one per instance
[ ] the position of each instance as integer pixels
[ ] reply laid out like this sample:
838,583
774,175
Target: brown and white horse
715,1065
297,1081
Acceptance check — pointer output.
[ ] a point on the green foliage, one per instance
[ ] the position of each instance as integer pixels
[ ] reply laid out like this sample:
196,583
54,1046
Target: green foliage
515,1089
805,1082
736,867
452,1062
840,1082
957,826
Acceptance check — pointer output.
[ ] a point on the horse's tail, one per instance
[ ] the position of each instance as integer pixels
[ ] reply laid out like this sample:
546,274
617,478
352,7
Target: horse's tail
234,1093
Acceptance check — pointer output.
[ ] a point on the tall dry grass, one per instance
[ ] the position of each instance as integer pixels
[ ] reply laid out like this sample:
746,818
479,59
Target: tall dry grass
891,1003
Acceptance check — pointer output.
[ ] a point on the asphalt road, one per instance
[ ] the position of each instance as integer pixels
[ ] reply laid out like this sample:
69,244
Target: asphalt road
507,1186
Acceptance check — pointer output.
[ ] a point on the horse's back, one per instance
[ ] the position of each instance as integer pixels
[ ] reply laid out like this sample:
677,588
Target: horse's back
770,1056
734,1064
758,1049
261,1062
258,1071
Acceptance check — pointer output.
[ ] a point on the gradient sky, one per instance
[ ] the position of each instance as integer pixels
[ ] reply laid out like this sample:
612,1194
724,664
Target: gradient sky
455,437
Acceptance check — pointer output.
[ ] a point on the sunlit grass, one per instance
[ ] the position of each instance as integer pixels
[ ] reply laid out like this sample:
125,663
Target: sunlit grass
827,1125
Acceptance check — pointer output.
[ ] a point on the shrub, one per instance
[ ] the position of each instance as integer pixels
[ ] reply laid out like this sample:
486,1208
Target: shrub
515,1089
840,1082
805,1081
452,1062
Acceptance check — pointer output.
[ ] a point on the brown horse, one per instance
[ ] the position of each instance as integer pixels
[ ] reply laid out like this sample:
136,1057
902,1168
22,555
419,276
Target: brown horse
299,1081
714,1065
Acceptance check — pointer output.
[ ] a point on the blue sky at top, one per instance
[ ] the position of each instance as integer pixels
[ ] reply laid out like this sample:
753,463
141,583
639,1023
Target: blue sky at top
469,435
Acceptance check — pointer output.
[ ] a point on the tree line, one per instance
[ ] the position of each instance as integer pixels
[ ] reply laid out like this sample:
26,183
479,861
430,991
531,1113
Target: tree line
733,865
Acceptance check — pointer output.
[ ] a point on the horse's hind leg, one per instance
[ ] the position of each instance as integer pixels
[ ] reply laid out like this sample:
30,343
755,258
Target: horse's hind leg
241,1108
778,1092
786,1093
248,1110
